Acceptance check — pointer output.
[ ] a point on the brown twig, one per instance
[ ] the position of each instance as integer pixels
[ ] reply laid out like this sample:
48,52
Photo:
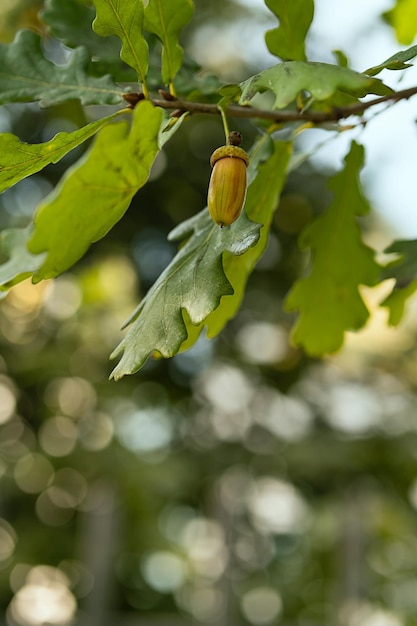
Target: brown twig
316,117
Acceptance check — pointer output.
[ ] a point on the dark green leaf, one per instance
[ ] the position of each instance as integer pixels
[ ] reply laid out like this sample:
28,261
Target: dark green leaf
403,19
396,62
21,263
124,18
404,270
19,159
95,193
70,22
166,18
328,299
321,80
295,17
26,76
192,286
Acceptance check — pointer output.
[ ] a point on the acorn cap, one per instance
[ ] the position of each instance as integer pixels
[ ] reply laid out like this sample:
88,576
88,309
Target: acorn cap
229,151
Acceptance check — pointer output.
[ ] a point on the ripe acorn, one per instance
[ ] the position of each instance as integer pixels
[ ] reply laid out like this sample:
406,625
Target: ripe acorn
227,188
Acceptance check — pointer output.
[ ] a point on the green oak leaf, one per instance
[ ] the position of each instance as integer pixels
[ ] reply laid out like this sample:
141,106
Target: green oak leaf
124,18
27,76
70,22
191,287
20,262
295,17
328,299
166,18
94,194
321,80
395,62
404,270
19,159
403,19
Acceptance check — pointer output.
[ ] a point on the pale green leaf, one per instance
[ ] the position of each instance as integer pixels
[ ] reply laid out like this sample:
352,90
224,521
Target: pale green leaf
295,17
321,80
397,61
20,262
19,159
404,270
27,76
95,193
403,19
166,18
328,299
191,287
124,18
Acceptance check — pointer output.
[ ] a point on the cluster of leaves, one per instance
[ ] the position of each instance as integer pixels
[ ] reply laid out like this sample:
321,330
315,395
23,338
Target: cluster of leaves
204,284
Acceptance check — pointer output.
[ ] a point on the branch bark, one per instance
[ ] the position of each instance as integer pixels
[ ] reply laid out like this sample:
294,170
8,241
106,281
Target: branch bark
234,110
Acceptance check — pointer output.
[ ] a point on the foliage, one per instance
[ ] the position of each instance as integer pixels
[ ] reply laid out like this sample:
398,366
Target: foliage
334,238
204,283
240,482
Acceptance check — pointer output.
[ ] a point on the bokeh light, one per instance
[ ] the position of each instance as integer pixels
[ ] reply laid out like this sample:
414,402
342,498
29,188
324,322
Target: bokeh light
261,605
164,571
45,598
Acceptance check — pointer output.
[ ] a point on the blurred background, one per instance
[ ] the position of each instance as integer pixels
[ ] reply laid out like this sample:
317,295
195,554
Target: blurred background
239,483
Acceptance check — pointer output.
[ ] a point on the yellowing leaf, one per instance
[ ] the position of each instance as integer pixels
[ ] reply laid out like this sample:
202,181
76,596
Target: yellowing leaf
328,299
95,193
403,19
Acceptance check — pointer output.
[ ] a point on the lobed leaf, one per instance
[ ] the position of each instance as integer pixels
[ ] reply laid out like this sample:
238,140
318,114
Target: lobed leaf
70,22
190,288
321,80
287,40
403,19
95,193
204,284
166,18
395,62
20,262
404,270
27,76
19,159
124,18
328,299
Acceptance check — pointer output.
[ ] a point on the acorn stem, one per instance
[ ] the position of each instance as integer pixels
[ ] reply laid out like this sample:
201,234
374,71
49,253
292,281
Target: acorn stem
225,124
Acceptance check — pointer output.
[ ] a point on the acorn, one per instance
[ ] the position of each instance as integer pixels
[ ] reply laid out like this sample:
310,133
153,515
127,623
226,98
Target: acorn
227,188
